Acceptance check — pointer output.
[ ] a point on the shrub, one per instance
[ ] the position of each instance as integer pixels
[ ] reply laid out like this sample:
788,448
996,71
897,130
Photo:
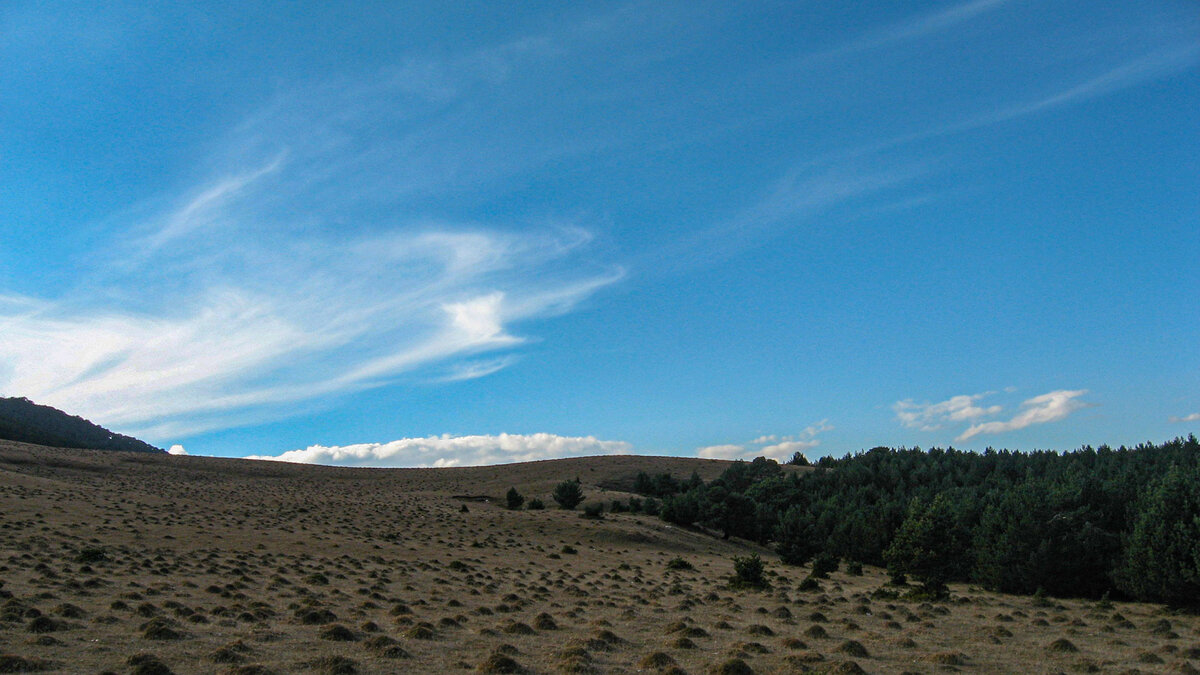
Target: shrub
824,564
854,568
91,555
748,572
536,504
651,506
635,504
568,494
594,511
513,499
618,506
678,563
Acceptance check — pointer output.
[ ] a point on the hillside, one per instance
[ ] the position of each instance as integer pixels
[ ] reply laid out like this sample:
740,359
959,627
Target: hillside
119,561
25,421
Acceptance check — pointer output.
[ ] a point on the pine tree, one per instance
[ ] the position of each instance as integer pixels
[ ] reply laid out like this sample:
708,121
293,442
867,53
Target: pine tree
568,494
1162,555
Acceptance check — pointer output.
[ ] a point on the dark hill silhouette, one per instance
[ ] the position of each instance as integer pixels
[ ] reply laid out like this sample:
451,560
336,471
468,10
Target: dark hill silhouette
25,421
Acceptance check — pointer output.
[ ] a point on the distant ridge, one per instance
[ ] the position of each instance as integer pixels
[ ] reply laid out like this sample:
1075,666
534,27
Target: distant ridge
27,422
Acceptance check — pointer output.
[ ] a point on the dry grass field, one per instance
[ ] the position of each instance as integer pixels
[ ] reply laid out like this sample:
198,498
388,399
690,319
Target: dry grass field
135,563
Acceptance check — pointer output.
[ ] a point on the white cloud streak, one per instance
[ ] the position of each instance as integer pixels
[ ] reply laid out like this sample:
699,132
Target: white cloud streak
300,271
1049,407
931,416
447,451
1140,70
911,29
1194,417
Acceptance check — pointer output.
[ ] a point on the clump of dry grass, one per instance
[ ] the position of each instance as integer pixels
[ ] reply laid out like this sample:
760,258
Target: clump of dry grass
332,665
946,658
336,632
500,663
854,648
421,631
656,661
160,628
11,663
147,664
733,667
817,632
1062,645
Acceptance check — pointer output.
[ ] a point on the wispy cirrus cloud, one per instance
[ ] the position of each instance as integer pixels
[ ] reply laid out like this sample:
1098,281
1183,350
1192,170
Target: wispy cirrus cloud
772,446
915,27
447,451
1135,71
1194,417
304,266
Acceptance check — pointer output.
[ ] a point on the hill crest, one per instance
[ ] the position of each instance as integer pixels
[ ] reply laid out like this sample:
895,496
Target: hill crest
24,421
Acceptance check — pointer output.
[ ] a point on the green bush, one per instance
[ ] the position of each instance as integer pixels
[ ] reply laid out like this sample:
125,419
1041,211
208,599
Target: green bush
678,563
568,494
593,511
824,564
513,500
748,572
536,504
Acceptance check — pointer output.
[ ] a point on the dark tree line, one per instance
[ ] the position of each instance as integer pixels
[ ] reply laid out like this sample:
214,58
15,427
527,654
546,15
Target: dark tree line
25,421
1097,520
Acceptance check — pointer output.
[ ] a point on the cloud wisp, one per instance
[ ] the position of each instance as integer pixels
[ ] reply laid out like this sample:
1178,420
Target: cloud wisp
909,29
303,269
448,451
932,416
1049,407
1194,417
771,446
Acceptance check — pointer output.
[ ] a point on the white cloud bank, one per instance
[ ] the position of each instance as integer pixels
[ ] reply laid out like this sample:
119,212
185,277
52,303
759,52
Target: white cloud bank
447,451
772,446
1194,417
1048,407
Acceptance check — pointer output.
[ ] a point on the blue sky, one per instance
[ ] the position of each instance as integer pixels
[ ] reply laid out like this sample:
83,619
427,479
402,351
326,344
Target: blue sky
453,233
